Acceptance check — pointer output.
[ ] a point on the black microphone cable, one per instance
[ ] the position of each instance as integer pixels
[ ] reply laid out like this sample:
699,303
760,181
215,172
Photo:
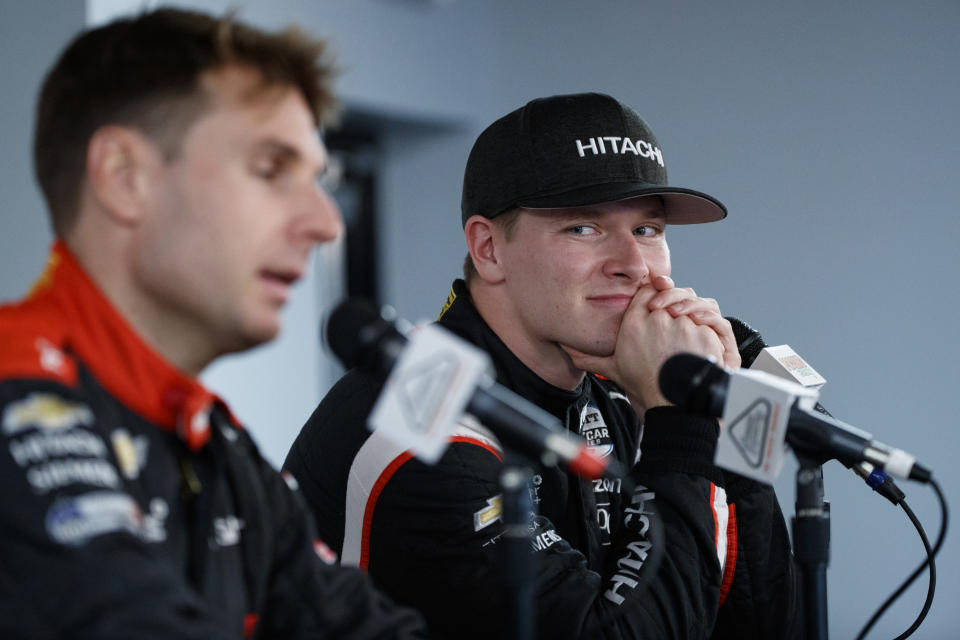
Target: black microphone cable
929,562
750,343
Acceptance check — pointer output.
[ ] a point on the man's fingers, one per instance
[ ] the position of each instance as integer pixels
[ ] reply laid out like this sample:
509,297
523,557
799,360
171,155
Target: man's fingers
662,283
721,326
703,312
714,334
642,298
672,297
692,305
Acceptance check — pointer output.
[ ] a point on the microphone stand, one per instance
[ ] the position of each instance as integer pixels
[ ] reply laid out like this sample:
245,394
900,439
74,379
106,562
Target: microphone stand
811,544
517,558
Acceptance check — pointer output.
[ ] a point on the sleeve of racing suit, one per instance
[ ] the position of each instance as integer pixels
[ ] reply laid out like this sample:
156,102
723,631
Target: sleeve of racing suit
74,563
433,532
309,595
765,597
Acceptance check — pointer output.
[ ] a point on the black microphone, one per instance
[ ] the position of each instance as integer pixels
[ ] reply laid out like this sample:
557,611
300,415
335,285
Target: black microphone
698,385
360,337
750,344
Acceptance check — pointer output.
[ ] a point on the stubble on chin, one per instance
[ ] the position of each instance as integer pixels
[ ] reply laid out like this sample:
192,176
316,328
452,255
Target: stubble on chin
602,350
606,341
602,339
597,346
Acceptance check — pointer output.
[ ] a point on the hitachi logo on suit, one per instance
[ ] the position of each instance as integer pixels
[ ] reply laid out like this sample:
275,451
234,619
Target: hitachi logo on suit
618,145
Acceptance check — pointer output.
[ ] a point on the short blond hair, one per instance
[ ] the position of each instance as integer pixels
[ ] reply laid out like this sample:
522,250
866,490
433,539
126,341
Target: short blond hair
508,222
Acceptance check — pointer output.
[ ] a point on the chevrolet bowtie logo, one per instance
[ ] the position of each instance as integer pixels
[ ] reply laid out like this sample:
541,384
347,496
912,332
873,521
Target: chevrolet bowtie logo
489,514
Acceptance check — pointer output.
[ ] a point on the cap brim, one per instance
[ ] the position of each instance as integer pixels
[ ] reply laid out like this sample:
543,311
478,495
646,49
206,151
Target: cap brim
682,206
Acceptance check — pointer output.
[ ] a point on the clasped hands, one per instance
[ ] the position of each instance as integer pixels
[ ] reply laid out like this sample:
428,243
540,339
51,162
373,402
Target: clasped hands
662,320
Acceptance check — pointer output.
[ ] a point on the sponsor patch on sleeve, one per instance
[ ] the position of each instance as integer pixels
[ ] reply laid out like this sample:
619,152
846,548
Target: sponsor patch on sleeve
75,520
131,452
488,514
47,411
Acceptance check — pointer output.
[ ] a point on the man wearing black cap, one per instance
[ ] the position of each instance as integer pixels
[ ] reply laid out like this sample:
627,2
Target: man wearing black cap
565,205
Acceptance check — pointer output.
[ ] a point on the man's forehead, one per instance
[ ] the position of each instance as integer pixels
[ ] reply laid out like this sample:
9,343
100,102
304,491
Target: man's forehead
270,117
235,83
243,89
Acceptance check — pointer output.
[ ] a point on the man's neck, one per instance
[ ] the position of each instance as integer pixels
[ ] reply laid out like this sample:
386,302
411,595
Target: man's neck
177,342
546,359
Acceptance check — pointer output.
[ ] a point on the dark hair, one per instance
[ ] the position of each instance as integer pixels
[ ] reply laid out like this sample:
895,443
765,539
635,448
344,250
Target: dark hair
144,72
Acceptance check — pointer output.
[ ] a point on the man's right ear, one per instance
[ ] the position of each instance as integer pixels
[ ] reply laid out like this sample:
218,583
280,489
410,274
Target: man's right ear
120,162
482,243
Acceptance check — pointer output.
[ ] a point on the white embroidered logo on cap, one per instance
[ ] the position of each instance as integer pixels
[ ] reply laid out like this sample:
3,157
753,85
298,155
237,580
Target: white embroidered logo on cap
619,145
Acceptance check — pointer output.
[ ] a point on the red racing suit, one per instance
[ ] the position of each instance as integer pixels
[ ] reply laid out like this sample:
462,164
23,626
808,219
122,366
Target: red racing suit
428,535
134,506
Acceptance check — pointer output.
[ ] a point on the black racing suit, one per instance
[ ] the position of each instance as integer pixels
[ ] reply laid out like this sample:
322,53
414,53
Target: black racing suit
134,506
721,568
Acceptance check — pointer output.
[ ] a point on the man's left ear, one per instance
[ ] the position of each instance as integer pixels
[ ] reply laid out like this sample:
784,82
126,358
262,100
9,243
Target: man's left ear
480,236
120,164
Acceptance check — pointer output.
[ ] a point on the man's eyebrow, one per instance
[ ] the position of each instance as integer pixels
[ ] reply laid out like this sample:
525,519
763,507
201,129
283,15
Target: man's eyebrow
590,212
278,147
577,213
287,153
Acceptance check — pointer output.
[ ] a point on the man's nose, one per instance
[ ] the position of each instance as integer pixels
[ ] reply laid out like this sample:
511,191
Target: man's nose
625,258
319,218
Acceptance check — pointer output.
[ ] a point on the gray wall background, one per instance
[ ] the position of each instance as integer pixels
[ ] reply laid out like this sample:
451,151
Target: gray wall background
829,129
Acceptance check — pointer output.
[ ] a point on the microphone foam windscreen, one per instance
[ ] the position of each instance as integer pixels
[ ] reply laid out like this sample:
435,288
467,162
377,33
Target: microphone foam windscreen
749,342
681,376
347,327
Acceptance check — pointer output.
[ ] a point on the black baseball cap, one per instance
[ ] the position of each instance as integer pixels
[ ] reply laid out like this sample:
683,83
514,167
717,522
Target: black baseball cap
569,151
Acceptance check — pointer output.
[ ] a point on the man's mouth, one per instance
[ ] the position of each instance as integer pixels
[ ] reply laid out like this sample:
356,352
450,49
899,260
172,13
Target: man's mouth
615,301
287,277
279,281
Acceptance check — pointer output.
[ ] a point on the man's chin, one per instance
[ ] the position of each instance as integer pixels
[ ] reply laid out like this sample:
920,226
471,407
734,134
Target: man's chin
257,334
594,350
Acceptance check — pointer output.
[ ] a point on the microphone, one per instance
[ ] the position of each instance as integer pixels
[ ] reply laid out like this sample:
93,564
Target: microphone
698,385
446,367
751,345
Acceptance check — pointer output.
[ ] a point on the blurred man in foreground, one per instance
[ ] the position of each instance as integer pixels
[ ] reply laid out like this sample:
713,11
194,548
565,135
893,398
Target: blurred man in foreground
179,156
